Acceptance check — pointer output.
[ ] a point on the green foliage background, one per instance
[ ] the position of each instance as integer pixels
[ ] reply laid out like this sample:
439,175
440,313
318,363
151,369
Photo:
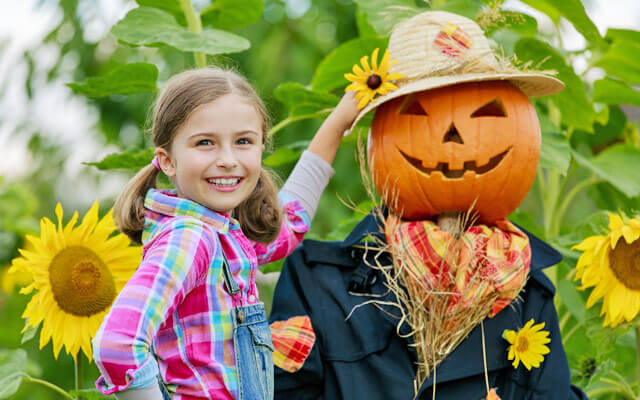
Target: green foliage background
589,161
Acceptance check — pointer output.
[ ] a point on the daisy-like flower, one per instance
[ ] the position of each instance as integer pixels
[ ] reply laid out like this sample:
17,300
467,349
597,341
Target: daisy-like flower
527,345
370,81
77,272
611,265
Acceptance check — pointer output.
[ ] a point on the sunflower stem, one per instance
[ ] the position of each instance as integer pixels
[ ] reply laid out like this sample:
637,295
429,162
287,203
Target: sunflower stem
637,328
289,120
49,385
77,364
568,199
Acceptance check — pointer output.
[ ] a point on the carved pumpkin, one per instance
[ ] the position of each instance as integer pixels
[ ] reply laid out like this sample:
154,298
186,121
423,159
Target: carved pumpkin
439,150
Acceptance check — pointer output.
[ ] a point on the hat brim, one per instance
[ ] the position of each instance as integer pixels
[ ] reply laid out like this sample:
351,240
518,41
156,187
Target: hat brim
531,84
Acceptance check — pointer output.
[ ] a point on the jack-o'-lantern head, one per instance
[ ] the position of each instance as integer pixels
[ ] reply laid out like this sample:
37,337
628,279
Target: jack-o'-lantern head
474,144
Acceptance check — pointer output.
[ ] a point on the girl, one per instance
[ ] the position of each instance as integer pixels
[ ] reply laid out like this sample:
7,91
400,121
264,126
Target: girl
190,316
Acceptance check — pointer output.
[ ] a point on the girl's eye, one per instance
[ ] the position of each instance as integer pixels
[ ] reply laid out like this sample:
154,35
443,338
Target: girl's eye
203,142
244,141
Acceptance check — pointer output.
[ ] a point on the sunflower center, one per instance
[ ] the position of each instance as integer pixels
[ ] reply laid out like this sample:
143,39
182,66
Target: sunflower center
625,263
374,81
81,283
523,344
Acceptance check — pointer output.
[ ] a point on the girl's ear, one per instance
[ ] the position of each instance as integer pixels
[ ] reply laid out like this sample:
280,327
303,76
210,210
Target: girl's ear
166,164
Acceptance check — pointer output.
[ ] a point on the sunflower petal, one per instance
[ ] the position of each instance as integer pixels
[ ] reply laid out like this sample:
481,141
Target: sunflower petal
364,61
374,60
384,64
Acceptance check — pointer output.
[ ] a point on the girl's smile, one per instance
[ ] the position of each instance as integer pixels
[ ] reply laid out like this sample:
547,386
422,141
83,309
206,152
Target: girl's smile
225,183
215,158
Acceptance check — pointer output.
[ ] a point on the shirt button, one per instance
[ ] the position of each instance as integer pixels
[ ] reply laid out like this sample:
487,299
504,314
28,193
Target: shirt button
252,299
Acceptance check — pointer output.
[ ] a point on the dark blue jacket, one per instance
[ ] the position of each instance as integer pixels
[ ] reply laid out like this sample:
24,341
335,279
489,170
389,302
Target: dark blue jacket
365,358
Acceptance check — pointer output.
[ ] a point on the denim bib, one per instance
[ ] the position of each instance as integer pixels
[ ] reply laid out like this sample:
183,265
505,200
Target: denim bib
252,344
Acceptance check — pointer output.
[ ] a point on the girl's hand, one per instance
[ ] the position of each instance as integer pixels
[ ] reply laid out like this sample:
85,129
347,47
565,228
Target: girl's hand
346,110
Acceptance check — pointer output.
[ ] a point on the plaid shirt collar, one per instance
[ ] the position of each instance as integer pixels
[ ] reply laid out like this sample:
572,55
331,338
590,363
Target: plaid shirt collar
167,202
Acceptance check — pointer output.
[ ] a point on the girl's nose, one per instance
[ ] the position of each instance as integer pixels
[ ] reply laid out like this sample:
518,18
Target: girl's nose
227,161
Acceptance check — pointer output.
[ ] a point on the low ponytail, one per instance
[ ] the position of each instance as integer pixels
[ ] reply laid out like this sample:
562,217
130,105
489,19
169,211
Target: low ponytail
129,209
260,215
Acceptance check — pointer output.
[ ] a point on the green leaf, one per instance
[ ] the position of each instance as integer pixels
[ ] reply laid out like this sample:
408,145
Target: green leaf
622,34
302,101
622,60
170,6
570,297
330,73
610,91
575,108
467,8
153,27
229,14
131,159
29,333
365,29
127,79
617,164
574,12
282,156
90,394
555,153
545,7
12,370
384,14
603,134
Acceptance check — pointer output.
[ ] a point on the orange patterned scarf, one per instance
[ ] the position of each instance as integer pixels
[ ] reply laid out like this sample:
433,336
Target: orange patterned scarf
483,261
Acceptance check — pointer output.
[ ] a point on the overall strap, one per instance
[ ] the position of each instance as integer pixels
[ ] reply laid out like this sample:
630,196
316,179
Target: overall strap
232,287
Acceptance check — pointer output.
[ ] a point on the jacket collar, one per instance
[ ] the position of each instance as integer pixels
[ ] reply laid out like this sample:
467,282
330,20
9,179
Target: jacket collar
160,203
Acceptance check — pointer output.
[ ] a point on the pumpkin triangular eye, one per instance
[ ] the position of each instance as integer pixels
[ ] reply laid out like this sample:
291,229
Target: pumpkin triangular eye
494,108
412,106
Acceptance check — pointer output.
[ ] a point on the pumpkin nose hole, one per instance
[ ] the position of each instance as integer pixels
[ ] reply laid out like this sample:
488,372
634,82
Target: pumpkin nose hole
452,135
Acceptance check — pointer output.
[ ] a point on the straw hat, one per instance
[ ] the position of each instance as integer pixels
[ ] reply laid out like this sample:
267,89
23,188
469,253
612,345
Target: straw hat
437,48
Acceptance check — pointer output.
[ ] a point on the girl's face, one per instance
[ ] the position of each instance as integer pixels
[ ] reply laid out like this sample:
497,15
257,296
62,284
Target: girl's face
216,154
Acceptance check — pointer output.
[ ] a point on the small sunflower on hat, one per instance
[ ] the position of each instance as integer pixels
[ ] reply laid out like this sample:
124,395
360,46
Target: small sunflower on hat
370,81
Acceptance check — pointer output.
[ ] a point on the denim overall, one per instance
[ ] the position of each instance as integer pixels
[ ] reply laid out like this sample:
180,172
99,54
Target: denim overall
252,344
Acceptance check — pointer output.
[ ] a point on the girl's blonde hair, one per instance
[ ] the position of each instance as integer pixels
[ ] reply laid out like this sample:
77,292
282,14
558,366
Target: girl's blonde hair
259,215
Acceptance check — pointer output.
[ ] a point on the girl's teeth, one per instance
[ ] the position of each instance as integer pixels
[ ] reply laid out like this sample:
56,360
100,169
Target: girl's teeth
224,182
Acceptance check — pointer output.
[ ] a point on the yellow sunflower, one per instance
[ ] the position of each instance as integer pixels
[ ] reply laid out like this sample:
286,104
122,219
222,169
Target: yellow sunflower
77,272
369,81
612,267
10,279
527,345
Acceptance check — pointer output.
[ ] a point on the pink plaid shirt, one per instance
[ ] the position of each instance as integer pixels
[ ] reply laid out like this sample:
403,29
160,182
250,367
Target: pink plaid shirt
176,302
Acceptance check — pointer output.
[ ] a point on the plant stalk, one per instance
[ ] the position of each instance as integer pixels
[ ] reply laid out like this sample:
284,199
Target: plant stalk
77,373
568,199
637,328
49,385
289,120
195,25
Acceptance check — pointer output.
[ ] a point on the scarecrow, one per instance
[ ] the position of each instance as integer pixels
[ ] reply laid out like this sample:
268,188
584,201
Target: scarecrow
434,294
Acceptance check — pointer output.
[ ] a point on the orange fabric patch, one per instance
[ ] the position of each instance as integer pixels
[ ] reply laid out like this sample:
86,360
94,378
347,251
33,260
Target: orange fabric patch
453,41
292,342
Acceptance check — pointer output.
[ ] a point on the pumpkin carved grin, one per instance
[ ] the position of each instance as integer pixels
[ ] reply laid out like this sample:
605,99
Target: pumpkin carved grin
468,166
